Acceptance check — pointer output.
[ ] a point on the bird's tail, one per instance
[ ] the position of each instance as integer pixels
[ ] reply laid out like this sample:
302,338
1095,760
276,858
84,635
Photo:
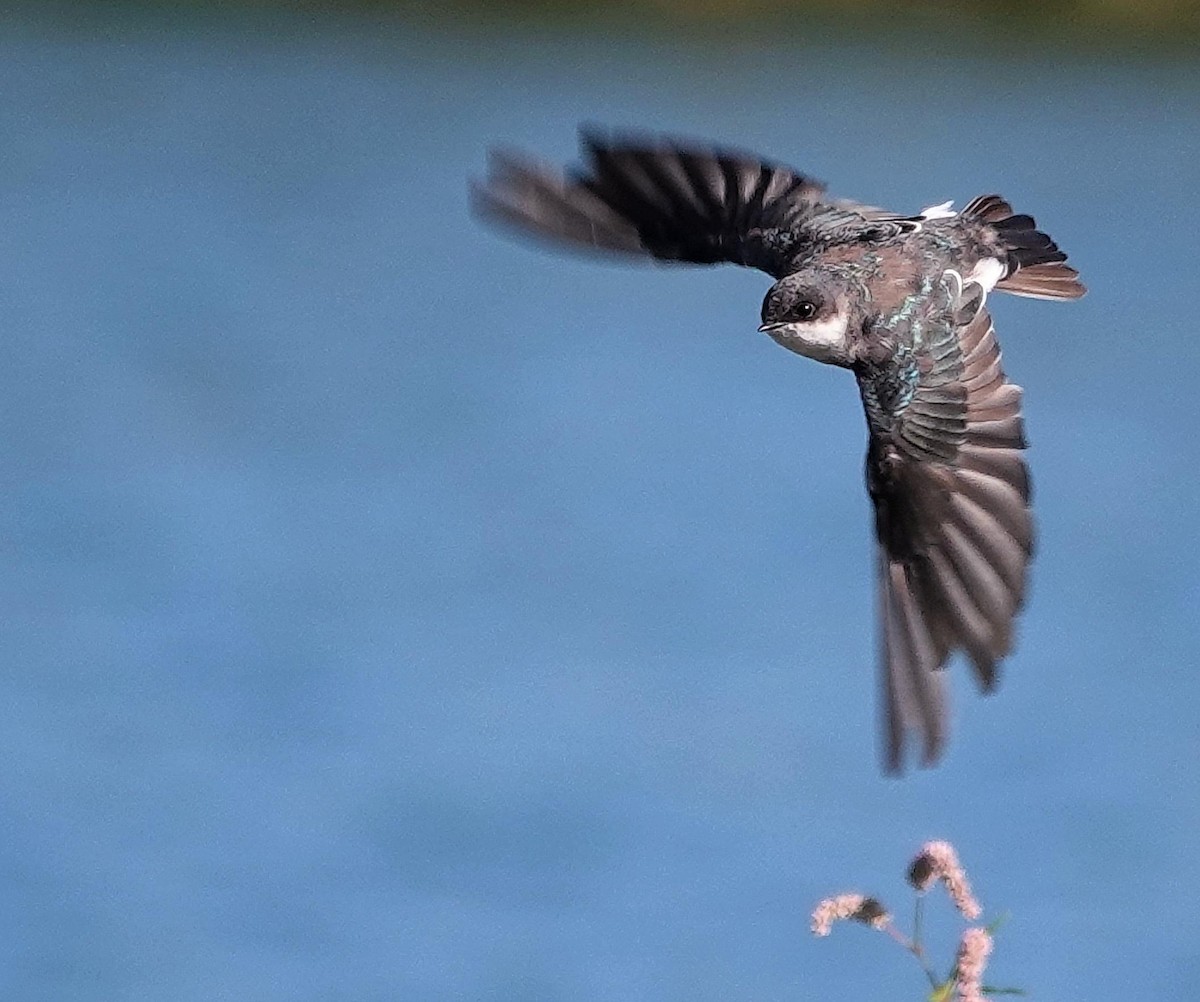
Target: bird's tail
1034,265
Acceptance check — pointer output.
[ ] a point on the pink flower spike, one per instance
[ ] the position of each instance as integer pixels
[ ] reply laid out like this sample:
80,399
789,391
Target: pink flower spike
938,861
973,952
848,906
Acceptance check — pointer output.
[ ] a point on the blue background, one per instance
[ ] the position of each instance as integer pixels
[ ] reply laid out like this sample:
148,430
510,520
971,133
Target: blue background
395,611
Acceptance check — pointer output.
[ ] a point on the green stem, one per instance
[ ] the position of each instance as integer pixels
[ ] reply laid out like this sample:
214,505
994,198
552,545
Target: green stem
917,947
914,946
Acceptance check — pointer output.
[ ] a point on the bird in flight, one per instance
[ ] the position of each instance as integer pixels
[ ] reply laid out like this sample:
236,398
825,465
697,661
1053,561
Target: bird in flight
898,300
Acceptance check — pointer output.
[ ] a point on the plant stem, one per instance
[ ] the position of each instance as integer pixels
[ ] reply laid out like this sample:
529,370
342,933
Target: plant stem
913,947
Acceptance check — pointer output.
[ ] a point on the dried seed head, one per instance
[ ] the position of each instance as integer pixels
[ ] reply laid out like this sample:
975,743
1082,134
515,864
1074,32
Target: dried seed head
920,872
869,911
973,951
939,861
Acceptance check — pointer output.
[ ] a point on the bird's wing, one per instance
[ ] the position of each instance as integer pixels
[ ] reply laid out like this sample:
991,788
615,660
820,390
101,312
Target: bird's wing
955,533
642,195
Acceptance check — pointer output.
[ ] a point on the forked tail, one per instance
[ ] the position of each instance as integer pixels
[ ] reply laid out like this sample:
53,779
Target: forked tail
1034,266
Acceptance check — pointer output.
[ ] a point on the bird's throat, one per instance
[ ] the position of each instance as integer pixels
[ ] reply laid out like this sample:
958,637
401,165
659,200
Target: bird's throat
824,340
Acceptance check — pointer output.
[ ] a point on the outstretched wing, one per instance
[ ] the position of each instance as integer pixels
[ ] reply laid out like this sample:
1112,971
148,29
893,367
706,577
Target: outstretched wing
951,494
676,201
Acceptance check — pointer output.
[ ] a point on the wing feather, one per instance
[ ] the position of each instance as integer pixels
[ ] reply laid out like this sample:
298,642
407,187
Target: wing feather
676,201
951,493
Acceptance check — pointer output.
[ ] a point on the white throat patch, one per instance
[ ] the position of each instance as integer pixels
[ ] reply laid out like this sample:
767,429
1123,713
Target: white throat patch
824,340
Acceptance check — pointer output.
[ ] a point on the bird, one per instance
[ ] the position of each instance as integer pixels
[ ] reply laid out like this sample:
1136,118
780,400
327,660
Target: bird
900,301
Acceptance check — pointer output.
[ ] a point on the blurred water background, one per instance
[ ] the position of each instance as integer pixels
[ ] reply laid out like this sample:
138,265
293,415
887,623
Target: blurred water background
393,611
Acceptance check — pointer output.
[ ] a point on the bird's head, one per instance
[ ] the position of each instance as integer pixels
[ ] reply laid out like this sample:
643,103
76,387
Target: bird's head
809,313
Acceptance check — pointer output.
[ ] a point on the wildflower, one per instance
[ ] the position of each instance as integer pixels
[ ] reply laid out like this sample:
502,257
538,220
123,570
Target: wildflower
973,952
869,911
939,861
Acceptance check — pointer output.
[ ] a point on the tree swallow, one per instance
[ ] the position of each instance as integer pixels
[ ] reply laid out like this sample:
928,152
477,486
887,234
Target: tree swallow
899,301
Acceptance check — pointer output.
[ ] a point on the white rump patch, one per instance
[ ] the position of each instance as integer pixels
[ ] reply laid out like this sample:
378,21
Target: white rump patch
987,273
943,211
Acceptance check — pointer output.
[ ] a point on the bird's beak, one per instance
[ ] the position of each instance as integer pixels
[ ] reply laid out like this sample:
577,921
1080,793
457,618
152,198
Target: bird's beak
767,328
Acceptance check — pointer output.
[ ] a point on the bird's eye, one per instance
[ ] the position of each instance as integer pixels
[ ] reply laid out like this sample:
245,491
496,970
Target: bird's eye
805,310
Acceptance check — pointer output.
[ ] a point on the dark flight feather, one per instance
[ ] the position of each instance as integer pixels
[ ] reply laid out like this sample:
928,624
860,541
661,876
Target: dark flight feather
677,202
951,496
